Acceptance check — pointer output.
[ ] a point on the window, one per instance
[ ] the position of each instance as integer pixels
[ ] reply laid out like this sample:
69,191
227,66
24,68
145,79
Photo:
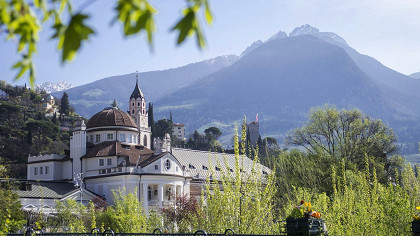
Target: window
91,138
191,166
217,168
149,193
98,138
122,137
132,112
145,141
36,171
101,162
168,164
108,161
176,168
205,168
156,167
46,169
133,105
110,136
264,172
41,170
138,104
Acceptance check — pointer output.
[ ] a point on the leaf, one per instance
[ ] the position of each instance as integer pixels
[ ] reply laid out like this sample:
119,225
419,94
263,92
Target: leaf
136,15
185,25
208,15
23,65
74,34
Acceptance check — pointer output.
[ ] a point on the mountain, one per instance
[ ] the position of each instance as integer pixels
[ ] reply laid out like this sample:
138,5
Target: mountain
415,75
283,78
93,97
373,68
54,87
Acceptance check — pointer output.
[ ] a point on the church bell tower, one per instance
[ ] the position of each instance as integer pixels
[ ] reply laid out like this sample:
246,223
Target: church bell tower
137,109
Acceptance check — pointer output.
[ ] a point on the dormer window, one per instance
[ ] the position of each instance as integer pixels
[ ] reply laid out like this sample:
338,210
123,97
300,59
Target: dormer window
191,166
98,138
264,172
217,168
230,170
167,164
205,168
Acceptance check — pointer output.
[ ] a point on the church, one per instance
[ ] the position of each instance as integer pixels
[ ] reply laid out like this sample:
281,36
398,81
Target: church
113,151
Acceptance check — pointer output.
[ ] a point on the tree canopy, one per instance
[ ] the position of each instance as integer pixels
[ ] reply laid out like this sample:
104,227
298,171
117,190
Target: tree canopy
347,134
23,21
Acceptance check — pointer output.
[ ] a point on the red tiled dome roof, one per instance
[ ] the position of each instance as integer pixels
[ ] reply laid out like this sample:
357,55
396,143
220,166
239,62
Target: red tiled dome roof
111,117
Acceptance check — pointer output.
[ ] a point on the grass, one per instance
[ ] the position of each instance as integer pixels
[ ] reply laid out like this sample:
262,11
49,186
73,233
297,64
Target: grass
93,93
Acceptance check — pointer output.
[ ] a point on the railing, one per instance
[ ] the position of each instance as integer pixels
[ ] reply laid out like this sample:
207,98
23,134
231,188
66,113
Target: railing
109,232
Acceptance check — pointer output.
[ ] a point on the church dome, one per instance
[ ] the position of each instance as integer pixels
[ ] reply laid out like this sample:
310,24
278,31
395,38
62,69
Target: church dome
111,116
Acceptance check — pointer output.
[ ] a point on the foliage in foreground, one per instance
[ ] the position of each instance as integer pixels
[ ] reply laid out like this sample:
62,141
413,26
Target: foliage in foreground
360,205
11,218
23,21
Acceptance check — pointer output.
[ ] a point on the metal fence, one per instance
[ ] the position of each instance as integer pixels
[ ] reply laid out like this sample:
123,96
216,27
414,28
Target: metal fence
109,232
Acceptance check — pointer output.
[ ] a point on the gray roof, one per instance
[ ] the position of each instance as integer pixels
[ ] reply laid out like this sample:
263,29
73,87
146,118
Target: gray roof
196,163
46,190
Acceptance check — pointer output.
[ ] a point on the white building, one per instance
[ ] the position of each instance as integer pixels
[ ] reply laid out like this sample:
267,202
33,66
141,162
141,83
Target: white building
178,130
112,151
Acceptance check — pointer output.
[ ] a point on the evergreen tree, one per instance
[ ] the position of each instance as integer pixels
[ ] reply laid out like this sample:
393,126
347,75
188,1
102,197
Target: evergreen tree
65,105
54,118
151,123
114,103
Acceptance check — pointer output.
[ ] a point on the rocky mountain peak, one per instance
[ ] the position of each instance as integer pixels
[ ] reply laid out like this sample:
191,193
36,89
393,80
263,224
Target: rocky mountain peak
304,30
310,30
54,87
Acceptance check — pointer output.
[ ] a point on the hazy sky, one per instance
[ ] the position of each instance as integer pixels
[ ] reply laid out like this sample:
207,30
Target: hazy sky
387,30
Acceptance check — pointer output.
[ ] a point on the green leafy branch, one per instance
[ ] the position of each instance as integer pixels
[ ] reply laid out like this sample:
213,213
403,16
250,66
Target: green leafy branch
21,20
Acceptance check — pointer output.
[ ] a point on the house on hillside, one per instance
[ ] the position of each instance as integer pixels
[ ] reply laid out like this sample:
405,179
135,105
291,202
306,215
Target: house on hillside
47,105
113,151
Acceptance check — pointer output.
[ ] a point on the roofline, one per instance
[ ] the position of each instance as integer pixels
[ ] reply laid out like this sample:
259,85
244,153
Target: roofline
59,160
115,127
128,173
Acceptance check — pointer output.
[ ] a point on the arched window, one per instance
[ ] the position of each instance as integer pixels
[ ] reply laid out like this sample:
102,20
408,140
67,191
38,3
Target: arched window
133,104
132,112
145,141
138,104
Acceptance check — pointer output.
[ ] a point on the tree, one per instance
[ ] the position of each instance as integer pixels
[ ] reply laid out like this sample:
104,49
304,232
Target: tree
162,127
41,134
213,132
65,105
22,20
114,103
345,134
